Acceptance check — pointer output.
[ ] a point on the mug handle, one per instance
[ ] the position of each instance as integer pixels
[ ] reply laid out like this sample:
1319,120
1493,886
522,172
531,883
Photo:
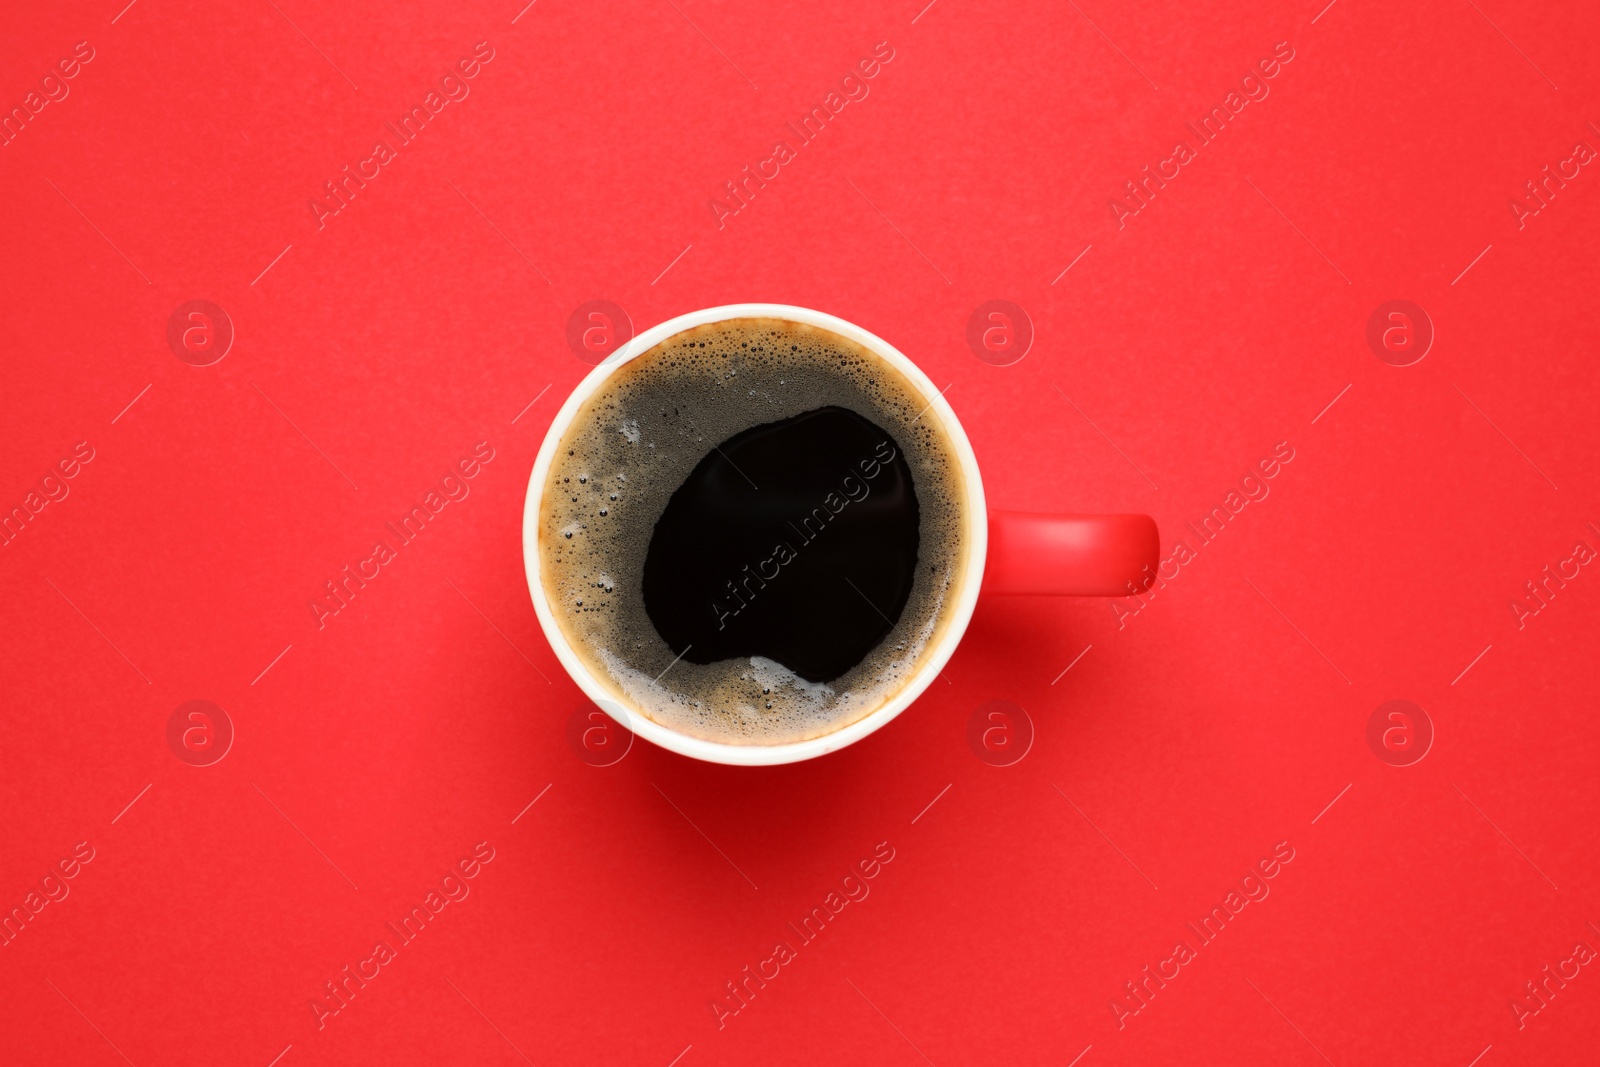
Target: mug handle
1070,555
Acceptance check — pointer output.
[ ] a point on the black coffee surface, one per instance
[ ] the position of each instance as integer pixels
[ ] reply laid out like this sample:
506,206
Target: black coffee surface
646,516
794,540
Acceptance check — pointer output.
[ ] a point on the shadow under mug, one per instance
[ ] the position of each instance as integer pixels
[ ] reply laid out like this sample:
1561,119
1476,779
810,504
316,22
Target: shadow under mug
1007,552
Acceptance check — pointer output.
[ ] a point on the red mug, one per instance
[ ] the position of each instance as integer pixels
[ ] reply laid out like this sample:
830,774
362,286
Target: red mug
1006,552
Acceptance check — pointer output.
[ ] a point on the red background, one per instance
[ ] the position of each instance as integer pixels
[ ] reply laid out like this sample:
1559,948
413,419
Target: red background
1221,719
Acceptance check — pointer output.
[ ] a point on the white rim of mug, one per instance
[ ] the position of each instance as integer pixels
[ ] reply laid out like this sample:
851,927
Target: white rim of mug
613,702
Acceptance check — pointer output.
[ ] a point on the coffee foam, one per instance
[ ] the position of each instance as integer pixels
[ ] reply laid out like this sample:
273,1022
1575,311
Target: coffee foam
635,441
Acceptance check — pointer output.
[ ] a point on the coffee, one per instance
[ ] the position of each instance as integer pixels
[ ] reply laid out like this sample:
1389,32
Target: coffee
754,531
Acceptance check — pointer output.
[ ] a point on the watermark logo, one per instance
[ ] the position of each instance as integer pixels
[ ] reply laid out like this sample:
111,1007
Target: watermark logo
1543,188
597,737
1399,332
52,90
199,733
453,486
52,488
999,332
1550,981
50,889
736,195
1252,489
1252,888
852,888
1553,578
1399,733
452,887
199,333
809,528
596,329
1000,733
340,191
1199,133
